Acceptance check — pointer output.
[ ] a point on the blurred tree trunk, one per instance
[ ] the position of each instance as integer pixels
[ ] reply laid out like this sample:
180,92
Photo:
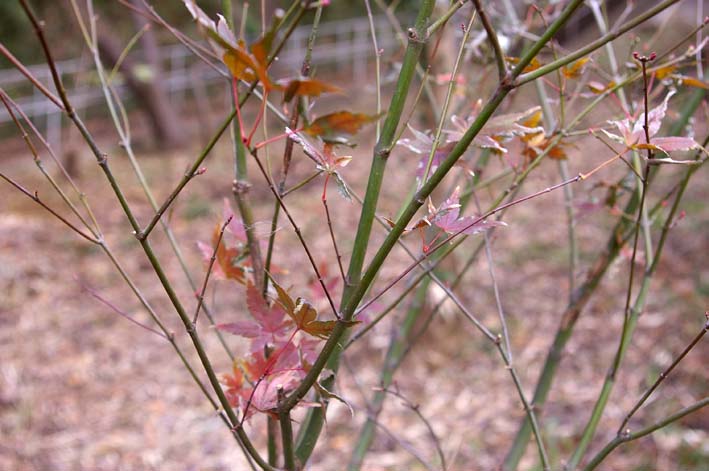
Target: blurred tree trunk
148,89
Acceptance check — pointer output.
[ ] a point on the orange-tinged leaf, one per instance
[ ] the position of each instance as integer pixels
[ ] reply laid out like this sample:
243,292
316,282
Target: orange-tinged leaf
225,259
262,47
663,72
244,67
533,120
691,81
575,70
304,315
336,124
598,88
534,64
307,87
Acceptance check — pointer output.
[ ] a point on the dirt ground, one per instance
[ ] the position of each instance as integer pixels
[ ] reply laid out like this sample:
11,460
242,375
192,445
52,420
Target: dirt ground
82,388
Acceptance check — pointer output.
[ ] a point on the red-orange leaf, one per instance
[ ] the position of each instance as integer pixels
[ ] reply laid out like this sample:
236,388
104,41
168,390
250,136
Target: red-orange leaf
243,66
306,87
534,64
340,123
225,259
304,314
574,70
691,81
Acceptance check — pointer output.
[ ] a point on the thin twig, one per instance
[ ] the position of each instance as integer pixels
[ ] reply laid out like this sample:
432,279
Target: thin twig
613,444
102,160
661,378
333,238
298,233
416,409
32,79
213,258
494,42
118,311
35,197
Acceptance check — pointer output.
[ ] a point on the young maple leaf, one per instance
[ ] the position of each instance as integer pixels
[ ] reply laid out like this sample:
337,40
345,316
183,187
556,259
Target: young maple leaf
304,86
304,314
496,130
268,326
241,63
422,144
632,134
339,126
265,394
256,380
447,217
326,160
231,261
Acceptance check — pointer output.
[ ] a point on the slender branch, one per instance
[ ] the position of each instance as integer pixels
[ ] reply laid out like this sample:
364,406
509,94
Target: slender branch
240,190
494,42
662,377
313,422
28,75
286,435
213,258
449,95
119,311
305,70
354,295
395,354
102,160
193,170
441,22
617,441
9,105
35,197
629,317
416,409
122,126
377,64
298,233
600,42
332,238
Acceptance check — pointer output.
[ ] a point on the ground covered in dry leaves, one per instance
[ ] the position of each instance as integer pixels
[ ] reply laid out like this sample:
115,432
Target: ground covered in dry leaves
82,388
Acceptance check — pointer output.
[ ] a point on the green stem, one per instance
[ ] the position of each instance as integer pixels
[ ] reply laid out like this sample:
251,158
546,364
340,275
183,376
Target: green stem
312,425
357,288
600,42
289,461
662,375
617,441
394,356
631,319
580,298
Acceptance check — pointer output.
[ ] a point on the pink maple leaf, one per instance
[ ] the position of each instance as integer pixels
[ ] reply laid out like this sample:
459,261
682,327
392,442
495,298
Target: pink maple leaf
447,218
268,326
632,133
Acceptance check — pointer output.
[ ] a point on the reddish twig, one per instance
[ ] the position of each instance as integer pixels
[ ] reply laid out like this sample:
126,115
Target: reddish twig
200,296
118,311
35,197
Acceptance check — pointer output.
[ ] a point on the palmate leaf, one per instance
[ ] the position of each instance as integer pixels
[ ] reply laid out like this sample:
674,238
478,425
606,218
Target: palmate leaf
448,219
268,326
575,69
632,133
306,87
239,61
304,315
335,126
230,262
